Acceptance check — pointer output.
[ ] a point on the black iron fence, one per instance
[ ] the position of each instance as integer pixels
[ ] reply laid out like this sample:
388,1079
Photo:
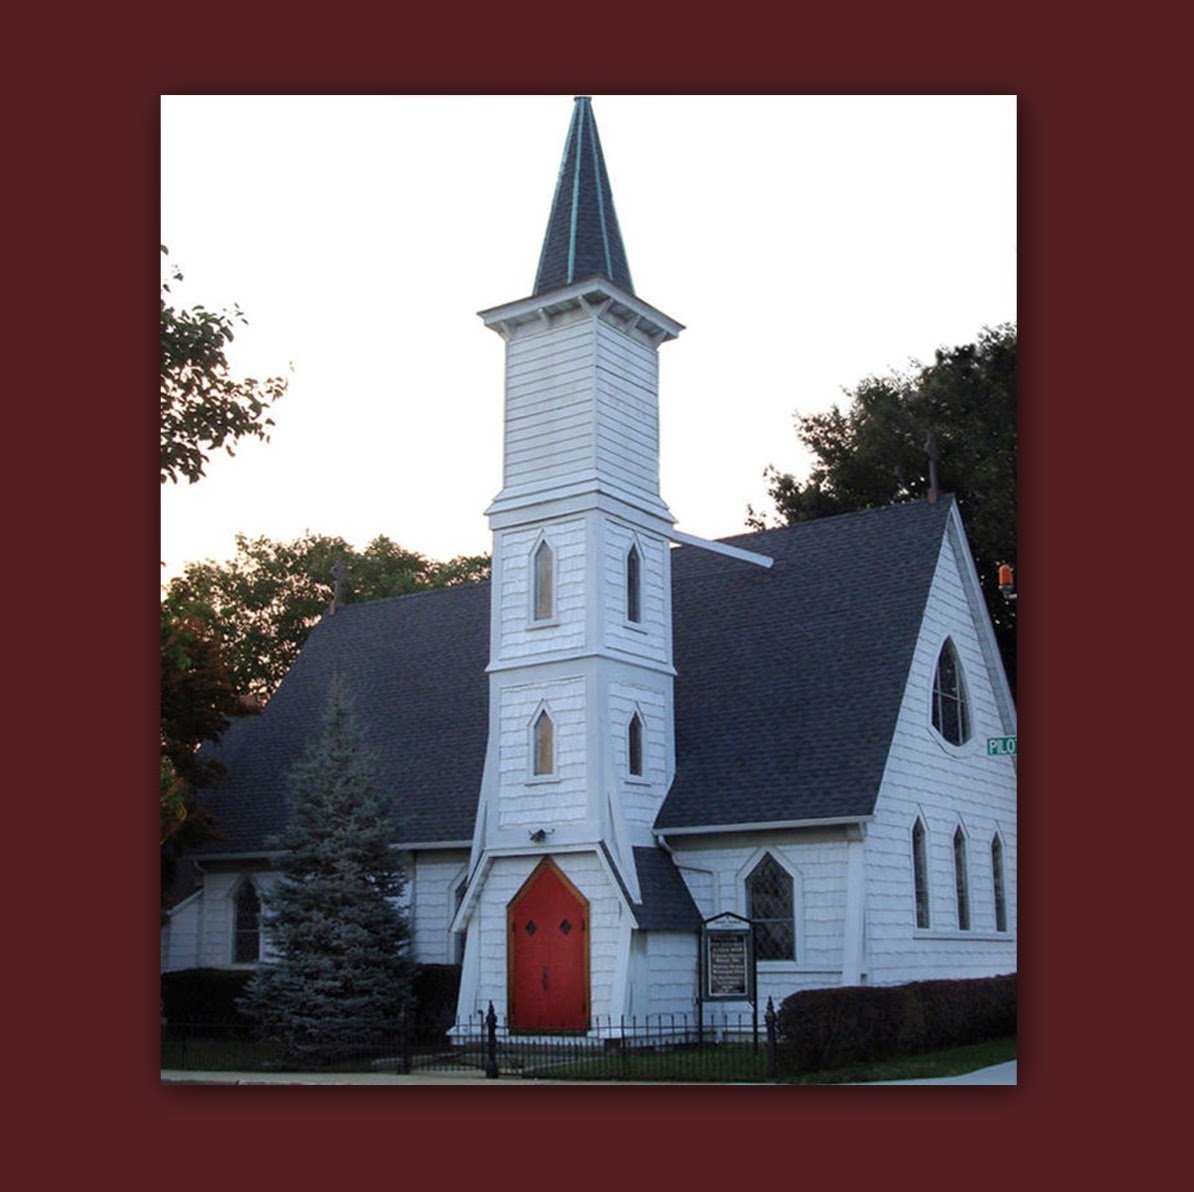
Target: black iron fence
669,1047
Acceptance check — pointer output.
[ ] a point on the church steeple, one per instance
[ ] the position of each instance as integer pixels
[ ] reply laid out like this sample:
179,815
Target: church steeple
581,748
583,239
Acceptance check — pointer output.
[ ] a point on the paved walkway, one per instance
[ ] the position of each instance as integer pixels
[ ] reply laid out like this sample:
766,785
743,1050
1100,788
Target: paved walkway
999,1074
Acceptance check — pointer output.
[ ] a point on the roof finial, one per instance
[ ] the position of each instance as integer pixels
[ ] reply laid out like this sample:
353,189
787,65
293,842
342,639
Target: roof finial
931,452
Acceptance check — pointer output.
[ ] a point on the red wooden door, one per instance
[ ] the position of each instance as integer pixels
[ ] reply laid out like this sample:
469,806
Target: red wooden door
548,956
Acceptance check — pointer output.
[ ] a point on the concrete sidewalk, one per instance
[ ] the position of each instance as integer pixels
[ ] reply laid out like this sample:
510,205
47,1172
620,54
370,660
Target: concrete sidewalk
999,1074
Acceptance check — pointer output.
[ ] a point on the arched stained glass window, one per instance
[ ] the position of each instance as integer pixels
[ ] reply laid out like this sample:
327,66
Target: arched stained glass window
770,904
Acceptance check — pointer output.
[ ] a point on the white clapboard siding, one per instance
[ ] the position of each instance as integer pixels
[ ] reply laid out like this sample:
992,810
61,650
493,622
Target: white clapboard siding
665,967
432,880
519,638
627,445
650,638
947,787
528,800
641,796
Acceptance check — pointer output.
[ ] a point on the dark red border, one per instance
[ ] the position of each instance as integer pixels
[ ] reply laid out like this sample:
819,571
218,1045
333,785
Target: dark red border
85,197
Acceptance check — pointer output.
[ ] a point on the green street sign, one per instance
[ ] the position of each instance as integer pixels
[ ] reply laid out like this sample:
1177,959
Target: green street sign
1001,746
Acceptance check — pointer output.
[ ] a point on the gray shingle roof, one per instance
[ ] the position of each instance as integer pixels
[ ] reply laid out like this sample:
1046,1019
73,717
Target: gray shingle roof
788,685
789,680
667,904
582,238
414,667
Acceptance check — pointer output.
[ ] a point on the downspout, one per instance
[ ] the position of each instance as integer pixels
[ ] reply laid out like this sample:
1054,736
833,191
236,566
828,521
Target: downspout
853,936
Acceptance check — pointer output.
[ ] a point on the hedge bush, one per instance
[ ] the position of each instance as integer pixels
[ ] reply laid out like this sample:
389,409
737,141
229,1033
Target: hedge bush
210,995
827,1028
203,993
435,987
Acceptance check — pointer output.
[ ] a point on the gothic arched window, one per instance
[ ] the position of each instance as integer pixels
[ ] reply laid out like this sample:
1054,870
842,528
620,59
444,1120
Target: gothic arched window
543,761
920,874
634,745
770,905
951,718
634,583
997,875
543,603
960,880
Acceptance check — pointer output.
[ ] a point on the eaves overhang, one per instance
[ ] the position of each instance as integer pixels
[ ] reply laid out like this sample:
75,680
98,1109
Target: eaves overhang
597,295
762,826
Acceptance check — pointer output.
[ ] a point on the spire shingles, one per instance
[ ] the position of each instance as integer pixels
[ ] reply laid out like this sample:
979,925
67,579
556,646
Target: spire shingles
582,238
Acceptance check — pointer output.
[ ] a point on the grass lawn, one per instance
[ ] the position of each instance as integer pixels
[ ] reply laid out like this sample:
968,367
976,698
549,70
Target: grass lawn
731,1063
932,1064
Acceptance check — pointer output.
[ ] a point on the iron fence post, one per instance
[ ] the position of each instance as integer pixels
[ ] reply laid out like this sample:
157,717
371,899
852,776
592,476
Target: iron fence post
406,1064
491,1068
769,1018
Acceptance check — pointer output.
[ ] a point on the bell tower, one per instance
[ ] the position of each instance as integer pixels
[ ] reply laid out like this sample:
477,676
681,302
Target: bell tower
581,746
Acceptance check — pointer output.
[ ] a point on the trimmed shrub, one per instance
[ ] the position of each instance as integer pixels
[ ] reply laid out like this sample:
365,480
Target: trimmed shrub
203,994
436,987
828,1028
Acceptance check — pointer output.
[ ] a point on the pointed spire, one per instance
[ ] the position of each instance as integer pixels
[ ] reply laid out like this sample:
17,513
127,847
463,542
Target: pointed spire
582,238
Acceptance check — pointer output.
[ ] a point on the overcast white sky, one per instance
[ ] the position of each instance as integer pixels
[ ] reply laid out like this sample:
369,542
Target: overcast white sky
805,242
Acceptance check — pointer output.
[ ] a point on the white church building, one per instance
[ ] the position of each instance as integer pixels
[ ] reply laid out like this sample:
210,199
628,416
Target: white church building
632,739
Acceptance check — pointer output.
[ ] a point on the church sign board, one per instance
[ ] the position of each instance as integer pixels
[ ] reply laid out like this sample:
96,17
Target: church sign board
728,968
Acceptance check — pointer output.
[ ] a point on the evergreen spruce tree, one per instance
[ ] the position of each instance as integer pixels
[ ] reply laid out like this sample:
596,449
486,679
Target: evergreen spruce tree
340,978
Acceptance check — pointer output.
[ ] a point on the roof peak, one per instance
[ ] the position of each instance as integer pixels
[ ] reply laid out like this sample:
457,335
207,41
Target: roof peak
583,239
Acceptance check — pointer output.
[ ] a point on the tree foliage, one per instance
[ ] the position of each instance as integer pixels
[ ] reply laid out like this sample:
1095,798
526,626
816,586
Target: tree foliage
341,972
264,601
203,407
197,702
962,408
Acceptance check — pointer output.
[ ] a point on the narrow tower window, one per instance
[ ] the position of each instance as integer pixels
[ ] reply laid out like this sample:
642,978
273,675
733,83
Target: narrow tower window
960,880
920,874
246,948
544,567
634,744
769,904
950,716
997,874
634,567
544,761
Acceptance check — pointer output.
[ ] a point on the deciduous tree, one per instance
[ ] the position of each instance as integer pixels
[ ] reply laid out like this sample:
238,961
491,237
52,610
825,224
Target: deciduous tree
265,600
203,407
955,417
197,702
